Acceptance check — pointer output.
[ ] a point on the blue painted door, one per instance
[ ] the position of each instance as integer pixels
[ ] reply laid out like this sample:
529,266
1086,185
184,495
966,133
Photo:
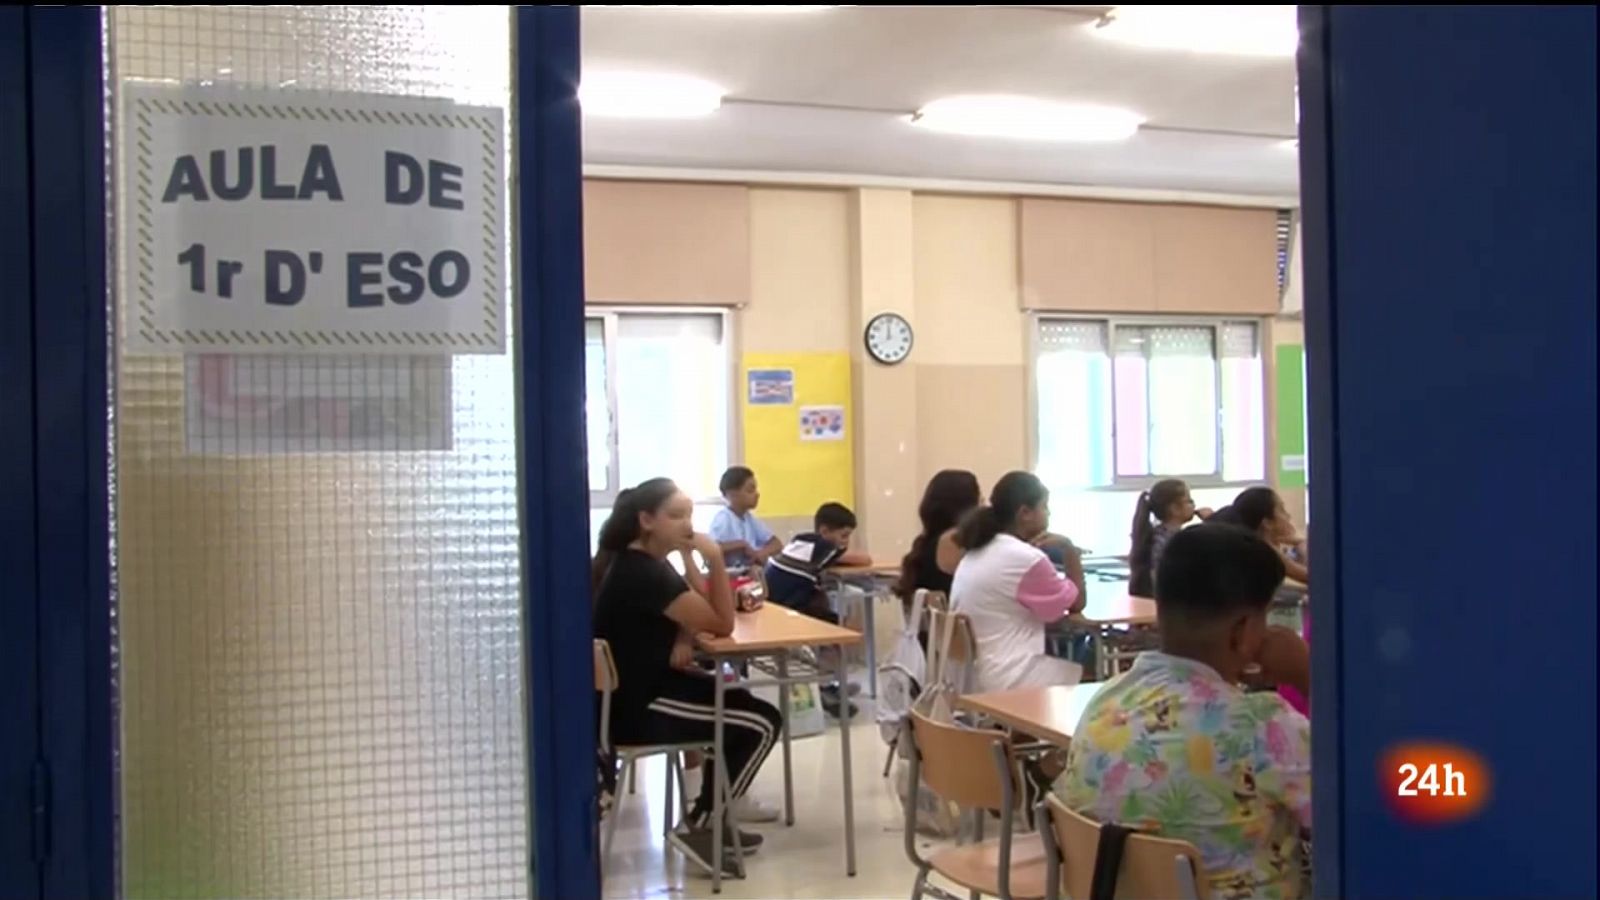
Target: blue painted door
1448,172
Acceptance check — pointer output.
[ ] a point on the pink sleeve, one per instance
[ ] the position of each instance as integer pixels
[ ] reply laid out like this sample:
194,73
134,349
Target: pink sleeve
1045,594
1301,704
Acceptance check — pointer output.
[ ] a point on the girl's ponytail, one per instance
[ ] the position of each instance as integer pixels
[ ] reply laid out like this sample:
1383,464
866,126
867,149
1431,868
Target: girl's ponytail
978,528
1142,535
621,528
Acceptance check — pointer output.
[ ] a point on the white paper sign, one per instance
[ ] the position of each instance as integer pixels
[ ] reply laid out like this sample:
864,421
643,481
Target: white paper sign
280,222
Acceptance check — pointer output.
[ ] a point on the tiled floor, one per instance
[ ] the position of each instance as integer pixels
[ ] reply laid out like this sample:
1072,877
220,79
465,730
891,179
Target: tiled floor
803,861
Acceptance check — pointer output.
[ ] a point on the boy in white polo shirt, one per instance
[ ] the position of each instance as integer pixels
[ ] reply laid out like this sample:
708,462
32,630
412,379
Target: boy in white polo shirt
746,542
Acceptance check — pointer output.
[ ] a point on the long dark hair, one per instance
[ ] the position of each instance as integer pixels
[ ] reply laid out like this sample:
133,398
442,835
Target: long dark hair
1014,492
948,496
621,528
1250,510
1150,511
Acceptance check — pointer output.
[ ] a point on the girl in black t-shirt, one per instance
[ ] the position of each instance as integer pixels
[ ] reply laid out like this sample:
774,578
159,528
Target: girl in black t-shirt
650,614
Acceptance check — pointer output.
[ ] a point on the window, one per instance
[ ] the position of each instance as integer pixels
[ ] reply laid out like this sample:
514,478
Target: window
658,400
1126,402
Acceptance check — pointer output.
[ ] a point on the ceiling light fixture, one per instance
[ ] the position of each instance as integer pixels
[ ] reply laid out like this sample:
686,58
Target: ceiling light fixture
639,95
736,9
1027,119
1226,30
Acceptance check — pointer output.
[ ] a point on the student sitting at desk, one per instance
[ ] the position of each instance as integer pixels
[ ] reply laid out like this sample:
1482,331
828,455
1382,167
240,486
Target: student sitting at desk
745,540
949,495
1161,512
1008,589
1175,747
649,614
794,576
1260,511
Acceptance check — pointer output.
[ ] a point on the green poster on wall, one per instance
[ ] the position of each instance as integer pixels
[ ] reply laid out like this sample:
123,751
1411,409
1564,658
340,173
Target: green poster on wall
1291,416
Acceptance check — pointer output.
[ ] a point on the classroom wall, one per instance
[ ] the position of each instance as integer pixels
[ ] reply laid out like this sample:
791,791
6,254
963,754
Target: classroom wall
822,262
971,353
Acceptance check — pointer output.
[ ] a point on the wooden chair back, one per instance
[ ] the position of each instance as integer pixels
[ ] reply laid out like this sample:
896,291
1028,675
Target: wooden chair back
958,763
1153,868
605,667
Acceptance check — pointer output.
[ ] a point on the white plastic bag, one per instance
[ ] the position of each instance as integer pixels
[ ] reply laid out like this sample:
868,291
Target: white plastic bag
901,676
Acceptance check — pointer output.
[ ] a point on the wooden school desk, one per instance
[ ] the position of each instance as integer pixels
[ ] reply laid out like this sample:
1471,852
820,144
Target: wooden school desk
766,638
1050,714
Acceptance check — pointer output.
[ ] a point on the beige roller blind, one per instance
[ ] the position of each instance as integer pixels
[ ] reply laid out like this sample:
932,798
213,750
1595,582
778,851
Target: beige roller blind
1092,256
1087,256
1213,259
665,243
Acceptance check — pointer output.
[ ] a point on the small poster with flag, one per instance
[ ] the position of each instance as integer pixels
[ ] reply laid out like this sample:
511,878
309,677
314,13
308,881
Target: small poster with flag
771,387
821,423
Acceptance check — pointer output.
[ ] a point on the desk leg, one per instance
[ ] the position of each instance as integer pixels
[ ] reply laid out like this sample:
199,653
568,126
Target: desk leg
719,800
788,763
849,788
872,644
1099,654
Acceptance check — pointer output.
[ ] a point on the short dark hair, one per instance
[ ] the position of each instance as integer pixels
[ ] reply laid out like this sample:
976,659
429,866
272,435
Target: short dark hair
1211,571
833,515
735,478
1253,507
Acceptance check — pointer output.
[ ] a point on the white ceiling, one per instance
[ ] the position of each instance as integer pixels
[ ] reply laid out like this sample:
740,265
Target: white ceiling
829,91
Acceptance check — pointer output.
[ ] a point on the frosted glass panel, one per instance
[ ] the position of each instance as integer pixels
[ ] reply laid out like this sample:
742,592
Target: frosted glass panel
1244,437
597,405
672,400
1073,391
317,557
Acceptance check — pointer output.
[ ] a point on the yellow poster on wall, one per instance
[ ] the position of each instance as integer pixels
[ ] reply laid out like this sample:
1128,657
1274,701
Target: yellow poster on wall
798,431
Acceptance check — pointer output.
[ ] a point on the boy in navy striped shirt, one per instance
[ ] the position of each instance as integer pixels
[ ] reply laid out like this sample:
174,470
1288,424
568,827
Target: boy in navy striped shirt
794,576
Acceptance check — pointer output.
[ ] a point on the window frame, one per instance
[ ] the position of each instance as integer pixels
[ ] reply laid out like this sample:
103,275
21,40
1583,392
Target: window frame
1121,483
609,315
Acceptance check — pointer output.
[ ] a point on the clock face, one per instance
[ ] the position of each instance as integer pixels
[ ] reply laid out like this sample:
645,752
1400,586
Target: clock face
889,338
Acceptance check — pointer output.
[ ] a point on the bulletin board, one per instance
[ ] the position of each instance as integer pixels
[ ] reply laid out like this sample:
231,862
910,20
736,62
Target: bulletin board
798,430
1291,375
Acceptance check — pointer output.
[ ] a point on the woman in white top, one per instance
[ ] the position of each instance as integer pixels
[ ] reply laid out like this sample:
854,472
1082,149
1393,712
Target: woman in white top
1008,589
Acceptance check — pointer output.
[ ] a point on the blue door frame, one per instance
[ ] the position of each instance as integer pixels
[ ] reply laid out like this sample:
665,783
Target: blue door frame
19,603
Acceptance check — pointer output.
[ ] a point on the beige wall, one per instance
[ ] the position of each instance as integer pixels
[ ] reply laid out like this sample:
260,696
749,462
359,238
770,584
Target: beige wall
971,338
963,269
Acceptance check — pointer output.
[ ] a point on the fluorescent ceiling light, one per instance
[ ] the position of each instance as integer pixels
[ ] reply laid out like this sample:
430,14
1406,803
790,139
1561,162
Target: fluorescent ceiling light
639,95
1027,118
1229,30
736,9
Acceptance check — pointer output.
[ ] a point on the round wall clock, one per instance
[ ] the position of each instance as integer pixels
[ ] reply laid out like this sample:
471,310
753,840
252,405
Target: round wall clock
889,338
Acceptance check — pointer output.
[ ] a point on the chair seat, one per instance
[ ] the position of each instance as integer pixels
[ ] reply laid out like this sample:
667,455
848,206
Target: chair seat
976,867
652,749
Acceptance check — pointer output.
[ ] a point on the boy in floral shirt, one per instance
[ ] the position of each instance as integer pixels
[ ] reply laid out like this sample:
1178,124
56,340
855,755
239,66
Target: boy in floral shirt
1176,747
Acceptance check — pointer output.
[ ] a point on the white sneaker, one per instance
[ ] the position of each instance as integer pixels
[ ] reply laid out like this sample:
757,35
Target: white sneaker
748,809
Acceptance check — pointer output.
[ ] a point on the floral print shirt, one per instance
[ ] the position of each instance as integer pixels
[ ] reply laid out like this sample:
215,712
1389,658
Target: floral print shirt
1172,748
